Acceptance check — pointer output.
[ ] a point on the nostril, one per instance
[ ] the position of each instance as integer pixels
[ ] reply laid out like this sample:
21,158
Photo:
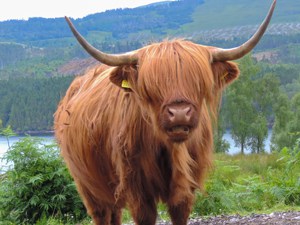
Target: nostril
172,112
187,111
179,114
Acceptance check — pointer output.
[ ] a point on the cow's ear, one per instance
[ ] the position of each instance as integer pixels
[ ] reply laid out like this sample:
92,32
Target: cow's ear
225,73
124,76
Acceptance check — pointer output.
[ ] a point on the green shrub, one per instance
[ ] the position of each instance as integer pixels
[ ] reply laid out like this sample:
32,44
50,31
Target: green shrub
286,183
37,184
217,198
249,183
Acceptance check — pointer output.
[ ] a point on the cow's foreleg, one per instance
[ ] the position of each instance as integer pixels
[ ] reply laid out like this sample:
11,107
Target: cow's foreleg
101,213
116,218
180,201
107,216
143,212
179,213
101,217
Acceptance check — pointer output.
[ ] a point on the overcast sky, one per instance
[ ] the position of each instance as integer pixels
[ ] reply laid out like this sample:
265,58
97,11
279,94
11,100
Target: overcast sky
23,9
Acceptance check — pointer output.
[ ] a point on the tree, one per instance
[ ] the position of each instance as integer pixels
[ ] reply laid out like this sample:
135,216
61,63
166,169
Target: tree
265,93
249,105
294,124
240,120
283,114
259,132
220,145
7,132
239,104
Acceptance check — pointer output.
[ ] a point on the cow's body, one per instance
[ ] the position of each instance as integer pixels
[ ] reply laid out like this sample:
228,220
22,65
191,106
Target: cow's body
150,142
116,151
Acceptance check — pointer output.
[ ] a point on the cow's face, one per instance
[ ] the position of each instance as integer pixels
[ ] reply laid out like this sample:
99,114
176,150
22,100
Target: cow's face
176,84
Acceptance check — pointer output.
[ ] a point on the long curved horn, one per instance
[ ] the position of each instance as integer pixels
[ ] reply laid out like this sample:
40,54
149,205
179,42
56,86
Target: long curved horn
108,59
220,54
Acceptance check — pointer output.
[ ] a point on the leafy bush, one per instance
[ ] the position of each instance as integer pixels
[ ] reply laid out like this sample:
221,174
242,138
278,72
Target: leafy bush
37,185
248,183
286,183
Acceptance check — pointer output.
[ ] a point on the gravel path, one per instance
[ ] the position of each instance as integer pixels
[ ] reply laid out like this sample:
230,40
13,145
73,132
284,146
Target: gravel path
277,218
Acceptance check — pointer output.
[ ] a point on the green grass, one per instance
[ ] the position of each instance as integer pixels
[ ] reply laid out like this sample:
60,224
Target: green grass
252,183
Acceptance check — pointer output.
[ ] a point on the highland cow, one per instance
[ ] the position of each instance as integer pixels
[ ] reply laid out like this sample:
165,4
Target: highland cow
139,129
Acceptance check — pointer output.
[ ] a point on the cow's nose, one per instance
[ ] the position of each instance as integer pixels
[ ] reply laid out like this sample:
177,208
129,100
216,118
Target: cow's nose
179,114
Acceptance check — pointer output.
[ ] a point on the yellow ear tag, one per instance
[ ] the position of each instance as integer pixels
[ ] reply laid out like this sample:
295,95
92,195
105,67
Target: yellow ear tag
224,76
125,84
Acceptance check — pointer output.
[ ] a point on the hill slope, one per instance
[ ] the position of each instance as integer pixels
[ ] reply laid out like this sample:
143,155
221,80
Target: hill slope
219,14
240,18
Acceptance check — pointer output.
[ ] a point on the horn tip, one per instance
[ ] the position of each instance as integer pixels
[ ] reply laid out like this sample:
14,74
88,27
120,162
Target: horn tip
67,19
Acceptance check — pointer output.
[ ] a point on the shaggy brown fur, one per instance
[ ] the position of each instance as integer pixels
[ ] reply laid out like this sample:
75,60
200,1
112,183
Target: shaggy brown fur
113,142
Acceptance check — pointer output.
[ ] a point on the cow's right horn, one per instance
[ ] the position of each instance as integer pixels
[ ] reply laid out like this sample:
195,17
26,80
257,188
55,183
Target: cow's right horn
220,54
108,59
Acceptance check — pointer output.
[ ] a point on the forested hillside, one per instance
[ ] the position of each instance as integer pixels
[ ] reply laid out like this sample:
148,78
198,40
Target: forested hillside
116,24
28,104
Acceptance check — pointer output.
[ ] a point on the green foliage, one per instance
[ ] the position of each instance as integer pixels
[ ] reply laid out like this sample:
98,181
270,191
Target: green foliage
259,132
220,145
287,182
248,102
294,123
248,183
286,129
6,132
37,185
287,73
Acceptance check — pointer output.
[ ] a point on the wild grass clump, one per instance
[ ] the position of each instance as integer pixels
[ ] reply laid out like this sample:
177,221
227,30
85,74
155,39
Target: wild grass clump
247,183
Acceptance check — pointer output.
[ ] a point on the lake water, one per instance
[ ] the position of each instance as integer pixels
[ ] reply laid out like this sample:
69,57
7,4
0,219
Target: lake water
49,138
235,150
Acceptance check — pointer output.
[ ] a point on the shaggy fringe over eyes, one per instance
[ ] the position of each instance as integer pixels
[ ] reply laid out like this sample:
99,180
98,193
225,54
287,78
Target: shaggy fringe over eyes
175,65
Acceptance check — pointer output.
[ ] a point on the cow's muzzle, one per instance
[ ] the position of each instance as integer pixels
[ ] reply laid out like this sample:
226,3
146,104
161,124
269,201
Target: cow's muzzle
179,119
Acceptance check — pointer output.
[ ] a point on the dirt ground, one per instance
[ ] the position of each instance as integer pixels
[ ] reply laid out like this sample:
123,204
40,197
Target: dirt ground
276,218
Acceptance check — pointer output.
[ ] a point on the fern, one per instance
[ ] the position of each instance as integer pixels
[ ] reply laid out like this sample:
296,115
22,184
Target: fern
37,184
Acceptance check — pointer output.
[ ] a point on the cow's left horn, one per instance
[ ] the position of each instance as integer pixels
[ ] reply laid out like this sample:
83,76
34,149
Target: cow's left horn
108,59
219,54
